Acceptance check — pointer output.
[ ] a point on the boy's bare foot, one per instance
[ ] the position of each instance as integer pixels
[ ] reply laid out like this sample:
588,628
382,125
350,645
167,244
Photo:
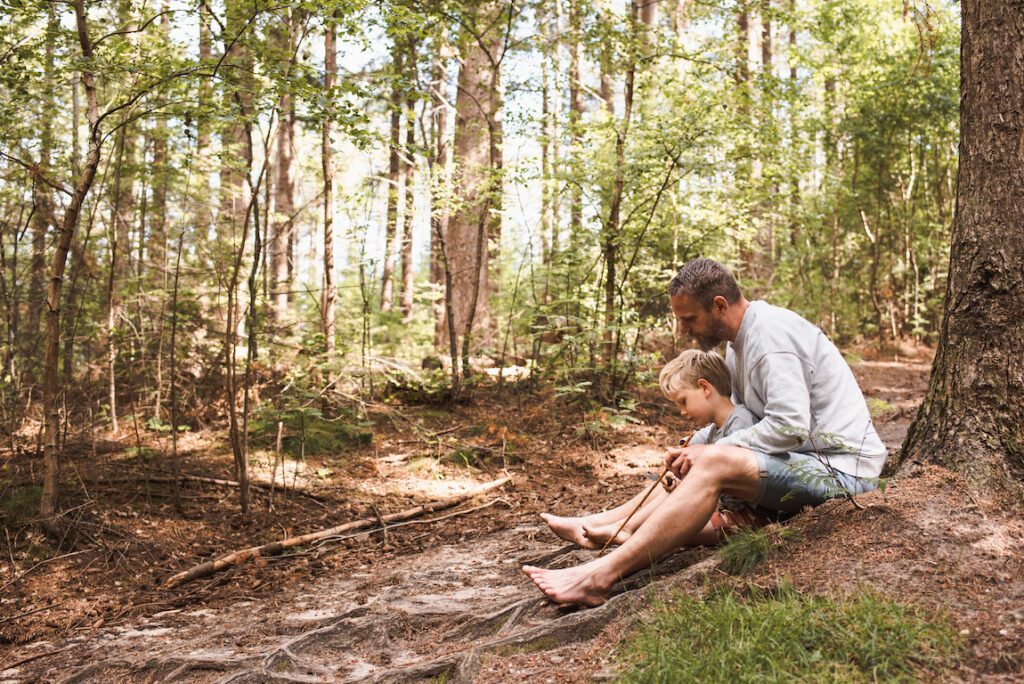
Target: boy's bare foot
569,585
600,534
569,529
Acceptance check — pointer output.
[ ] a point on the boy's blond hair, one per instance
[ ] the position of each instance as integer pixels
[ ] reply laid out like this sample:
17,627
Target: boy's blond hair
683,372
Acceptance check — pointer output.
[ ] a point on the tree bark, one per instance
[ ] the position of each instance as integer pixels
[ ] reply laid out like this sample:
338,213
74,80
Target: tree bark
972,419
477,182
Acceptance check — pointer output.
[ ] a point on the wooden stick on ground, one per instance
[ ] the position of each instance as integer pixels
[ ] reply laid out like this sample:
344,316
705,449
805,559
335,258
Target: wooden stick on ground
277,547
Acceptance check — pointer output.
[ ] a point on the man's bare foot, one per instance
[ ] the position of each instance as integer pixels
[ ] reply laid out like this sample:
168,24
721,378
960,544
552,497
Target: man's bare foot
569,529
600,534
569,585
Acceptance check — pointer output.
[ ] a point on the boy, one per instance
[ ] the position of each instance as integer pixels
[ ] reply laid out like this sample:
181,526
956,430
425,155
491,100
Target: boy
698,382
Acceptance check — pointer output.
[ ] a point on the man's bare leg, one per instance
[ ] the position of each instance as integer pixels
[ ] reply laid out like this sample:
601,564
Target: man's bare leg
672,524
571,528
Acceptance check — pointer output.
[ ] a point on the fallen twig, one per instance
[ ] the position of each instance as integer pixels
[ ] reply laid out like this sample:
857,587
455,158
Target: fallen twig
40,564
31,612
278,547
37,656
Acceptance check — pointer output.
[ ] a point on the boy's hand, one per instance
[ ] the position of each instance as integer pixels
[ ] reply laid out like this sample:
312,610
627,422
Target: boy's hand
679,460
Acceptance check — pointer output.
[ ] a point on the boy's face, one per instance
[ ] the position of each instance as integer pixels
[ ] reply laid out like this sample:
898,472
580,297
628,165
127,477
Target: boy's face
696,404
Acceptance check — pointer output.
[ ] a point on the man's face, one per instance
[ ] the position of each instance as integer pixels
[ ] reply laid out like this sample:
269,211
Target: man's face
704,325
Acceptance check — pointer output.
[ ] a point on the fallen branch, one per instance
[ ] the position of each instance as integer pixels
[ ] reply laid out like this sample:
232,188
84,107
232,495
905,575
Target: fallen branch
278,547
386,528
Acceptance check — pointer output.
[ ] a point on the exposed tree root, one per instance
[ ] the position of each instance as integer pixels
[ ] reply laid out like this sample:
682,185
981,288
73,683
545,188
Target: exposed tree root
283,664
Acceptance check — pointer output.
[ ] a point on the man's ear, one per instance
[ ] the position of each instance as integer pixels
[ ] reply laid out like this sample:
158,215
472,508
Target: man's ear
719,304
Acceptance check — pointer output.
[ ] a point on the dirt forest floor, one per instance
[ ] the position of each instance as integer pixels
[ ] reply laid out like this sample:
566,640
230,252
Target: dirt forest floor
442,597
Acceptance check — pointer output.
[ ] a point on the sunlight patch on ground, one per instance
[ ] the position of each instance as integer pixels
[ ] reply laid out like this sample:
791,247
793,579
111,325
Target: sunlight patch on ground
423,479
632,459
998,544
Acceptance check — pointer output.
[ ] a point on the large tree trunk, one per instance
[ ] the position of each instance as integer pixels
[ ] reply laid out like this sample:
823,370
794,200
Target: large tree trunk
972,419
477,180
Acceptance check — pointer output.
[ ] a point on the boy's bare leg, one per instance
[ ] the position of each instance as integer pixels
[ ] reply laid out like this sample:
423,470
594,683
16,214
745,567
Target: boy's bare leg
571,528
676,522
600,534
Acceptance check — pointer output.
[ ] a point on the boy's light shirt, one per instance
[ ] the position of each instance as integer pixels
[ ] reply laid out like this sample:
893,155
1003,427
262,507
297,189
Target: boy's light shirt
740,419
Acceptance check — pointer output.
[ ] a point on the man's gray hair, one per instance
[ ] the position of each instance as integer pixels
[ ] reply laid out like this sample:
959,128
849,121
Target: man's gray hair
703,280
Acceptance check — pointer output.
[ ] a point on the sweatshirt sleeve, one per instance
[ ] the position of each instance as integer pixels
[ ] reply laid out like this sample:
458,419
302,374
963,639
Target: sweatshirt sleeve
787,409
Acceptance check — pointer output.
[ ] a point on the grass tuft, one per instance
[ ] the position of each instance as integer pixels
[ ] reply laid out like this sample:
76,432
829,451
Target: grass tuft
748,548
787,637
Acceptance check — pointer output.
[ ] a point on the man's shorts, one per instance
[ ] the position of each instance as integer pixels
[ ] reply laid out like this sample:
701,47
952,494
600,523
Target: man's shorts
788,482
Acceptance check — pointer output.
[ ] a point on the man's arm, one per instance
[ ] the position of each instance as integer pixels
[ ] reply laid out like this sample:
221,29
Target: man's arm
780,379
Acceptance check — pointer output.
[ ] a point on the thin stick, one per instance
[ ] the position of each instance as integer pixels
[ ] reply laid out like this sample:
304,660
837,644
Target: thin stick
637,507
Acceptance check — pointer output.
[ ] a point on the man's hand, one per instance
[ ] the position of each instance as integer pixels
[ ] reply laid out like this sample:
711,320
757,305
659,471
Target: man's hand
679,460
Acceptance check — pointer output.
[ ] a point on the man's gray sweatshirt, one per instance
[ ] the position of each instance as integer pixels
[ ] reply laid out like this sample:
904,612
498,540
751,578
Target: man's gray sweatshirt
785,370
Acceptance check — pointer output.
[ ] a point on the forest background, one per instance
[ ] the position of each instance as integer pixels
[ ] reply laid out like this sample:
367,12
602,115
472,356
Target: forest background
268,214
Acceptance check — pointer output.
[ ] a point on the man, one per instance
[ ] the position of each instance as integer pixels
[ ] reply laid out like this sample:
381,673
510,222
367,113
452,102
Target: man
814,439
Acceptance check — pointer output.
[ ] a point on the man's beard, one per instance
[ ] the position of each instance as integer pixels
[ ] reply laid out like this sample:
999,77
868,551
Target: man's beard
714,338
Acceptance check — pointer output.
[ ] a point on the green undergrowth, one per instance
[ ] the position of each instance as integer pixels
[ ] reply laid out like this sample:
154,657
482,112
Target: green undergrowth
785,636
749,548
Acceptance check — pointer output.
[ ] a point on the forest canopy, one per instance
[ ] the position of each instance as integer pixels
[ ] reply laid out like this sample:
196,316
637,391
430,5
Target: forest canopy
330,199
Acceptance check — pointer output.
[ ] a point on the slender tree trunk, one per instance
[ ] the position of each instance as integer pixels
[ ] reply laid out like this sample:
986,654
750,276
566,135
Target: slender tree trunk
439,187
327,155
284,186
284,210
48,506
546,141
972,419
233,217
575,114
41,192
408,173
387,284
158,229
612,226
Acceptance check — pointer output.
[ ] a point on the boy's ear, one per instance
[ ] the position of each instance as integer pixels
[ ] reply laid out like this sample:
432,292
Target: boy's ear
704,386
